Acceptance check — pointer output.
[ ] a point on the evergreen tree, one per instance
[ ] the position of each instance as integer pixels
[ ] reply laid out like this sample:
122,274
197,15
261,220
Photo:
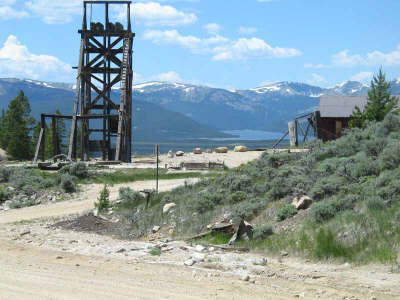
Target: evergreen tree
16,127
380,102
2,129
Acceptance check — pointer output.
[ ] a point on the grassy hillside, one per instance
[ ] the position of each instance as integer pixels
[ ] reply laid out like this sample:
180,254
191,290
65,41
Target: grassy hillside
354,182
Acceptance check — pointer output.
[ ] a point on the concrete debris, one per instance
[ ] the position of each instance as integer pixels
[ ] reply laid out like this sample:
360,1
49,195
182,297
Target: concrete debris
303,202
221,150
189,262
243,232
179,153
156,229
241,149
197,151
168,207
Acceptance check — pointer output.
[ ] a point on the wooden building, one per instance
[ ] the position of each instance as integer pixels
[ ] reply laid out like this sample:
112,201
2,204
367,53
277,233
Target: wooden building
333,114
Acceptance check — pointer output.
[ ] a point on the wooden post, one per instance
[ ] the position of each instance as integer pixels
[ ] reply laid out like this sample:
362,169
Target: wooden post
157,157
292,134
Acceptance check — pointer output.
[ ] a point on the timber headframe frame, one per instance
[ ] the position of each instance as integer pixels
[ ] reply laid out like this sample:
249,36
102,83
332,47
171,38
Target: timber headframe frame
101,123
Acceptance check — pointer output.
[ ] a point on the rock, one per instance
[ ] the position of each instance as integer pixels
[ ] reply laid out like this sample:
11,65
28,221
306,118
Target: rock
260,262
198,257
3,155
197,151
59,257
284,253
241,149
96,212
245,278
199,248
221,150
25,232
302,203
10,189
189,262
170,154
167,207
120,250
156,229
179,153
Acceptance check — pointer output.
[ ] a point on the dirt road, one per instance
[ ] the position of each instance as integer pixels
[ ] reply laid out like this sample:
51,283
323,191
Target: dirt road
85,200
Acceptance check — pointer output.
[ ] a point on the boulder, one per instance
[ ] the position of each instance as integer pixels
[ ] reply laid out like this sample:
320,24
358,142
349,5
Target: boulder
179,153
167,207
3,155
155,229
221,150
303,202
197,151
241,149
170,154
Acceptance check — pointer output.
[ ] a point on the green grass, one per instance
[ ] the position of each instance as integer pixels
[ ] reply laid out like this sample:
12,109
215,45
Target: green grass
131,175
214,238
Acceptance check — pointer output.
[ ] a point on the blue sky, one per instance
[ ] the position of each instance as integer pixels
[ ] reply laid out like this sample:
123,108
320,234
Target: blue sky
222,43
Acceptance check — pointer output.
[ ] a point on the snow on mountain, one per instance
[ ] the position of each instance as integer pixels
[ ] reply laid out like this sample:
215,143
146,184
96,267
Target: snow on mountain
348,88
289,88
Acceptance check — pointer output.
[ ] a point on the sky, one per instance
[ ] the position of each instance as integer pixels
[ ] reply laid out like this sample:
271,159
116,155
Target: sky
221,43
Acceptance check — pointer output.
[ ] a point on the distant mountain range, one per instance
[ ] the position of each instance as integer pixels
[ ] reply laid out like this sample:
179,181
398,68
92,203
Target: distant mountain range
175,110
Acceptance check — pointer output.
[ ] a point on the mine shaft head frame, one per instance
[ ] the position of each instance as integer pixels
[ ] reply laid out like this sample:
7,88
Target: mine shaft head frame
103,122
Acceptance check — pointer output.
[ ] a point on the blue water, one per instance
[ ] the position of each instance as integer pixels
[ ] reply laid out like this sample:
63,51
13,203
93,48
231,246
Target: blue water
251,135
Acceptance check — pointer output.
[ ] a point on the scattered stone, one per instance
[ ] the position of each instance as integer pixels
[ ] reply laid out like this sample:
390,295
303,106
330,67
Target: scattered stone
184,248
156,229
260,262
180,153
25,232
303,202
241,149
200,248
197,151
189,262
221,150
284,253
120,250
198,257
167,207
77,265
245,278
59,257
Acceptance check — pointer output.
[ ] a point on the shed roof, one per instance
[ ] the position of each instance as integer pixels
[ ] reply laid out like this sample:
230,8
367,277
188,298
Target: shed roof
340,106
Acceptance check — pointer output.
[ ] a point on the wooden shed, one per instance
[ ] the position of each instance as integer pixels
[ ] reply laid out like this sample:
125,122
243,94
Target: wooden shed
333,114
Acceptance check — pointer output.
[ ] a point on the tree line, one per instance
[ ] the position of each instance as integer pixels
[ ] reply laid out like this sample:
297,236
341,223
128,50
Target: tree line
19,131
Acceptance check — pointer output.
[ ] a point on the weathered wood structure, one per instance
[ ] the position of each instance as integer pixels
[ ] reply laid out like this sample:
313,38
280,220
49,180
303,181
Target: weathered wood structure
104,123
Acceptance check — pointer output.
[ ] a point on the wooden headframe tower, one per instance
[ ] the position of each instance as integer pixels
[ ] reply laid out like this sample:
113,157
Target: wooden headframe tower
101,120
105,61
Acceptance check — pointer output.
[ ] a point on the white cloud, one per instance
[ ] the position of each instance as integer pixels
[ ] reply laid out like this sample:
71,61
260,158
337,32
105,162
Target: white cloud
170,76
213,28
247,30
153,14
8,13
314,66
17,61
374,58
55,11
316,79
362,76
7,2
221,48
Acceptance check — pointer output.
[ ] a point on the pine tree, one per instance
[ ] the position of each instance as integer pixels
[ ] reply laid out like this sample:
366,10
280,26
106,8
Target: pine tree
2,129
380,102
17,125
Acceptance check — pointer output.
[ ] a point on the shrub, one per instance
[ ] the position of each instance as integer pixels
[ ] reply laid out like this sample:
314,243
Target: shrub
22,202
327,246
237,197
375,203
263,231
128,199
5,174
67,183
201,204
286,211
326,186
103,202
4,194
155,251
29,181
390,157
327,209
248,209
78,170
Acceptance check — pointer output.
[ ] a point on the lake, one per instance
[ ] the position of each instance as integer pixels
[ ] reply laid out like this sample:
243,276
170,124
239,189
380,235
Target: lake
254,139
